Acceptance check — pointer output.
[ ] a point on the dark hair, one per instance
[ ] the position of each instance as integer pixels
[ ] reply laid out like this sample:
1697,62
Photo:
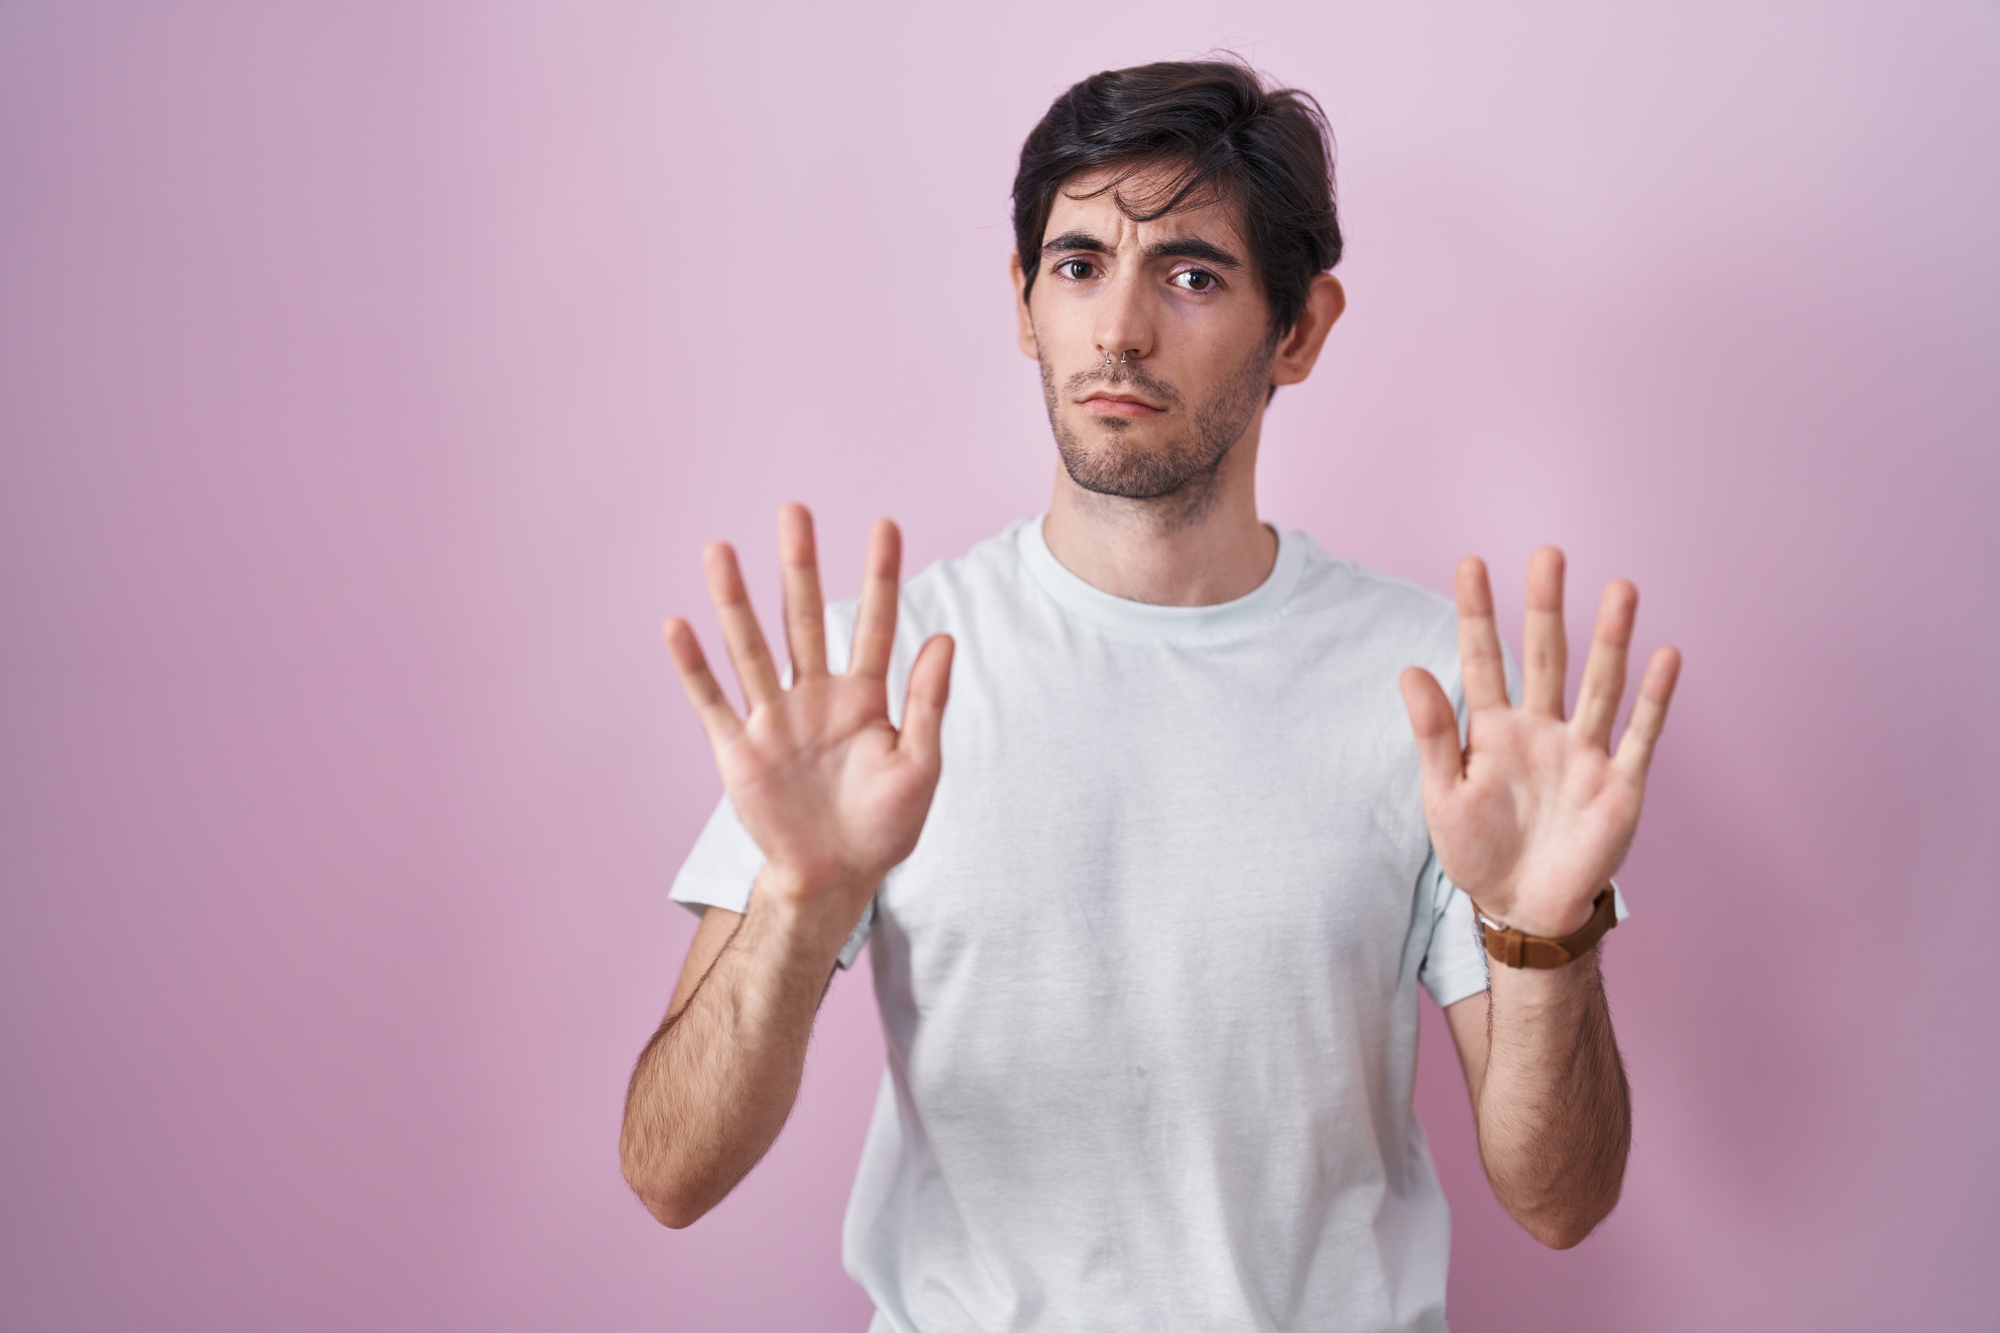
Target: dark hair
1267,149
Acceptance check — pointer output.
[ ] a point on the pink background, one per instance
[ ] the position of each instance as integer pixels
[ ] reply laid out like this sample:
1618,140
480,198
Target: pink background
370,377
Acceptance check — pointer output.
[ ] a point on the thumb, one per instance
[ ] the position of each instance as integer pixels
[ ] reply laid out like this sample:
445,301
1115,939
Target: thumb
923,704
1436,728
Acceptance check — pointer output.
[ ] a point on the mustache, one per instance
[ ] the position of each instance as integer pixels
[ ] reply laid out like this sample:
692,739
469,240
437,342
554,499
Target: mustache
1121,376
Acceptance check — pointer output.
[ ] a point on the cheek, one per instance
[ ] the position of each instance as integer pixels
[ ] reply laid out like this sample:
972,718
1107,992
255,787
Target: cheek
1207,347
1062,332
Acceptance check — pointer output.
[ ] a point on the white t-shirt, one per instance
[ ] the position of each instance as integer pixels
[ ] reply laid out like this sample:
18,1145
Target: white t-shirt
1149,980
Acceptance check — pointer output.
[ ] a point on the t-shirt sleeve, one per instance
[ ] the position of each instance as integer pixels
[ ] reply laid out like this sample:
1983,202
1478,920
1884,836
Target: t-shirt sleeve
722,866
1454,965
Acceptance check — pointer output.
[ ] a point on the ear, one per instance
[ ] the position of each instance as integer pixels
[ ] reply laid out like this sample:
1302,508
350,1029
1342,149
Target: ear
1299,349
1029,346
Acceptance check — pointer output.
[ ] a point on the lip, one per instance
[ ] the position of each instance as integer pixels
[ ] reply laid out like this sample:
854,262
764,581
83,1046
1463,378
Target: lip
1119,405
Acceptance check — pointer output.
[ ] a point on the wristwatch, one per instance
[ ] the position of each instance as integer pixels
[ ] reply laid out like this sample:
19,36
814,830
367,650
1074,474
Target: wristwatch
1516,949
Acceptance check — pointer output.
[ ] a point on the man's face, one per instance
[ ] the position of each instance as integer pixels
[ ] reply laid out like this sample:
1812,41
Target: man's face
1176,308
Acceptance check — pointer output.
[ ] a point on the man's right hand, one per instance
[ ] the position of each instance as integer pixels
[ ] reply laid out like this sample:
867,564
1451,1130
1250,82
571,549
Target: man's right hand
832,792
835,796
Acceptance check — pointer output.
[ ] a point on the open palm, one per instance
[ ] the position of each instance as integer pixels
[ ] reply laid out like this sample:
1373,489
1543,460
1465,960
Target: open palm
1534,812
831,791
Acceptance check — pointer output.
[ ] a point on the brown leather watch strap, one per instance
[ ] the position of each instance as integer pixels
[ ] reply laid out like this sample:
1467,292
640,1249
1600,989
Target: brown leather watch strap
1515,949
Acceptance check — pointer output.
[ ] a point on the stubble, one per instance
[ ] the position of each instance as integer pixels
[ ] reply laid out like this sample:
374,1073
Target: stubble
1177,477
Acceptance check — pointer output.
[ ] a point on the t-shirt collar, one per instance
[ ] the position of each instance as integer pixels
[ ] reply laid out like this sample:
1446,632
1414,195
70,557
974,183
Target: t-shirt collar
1144,620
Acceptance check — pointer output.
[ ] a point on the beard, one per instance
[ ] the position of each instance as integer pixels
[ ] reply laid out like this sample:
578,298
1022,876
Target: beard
1182,468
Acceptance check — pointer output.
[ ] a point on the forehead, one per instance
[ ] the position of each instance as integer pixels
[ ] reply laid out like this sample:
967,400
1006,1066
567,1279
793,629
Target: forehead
1085,204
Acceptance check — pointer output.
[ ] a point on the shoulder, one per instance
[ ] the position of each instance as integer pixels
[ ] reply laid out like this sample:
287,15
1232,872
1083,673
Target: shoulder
949,587
1360,596
945,596
1376,623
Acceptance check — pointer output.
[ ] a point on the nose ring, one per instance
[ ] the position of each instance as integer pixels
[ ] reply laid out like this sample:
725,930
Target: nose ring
1121,358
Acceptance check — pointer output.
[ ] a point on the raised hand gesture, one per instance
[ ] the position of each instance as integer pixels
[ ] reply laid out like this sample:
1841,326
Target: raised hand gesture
1534,813
831,791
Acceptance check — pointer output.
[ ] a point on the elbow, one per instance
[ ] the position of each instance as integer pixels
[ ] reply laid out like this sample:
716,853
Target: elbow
673,1202
671,1207
1560,1235
1568,1228
672,1213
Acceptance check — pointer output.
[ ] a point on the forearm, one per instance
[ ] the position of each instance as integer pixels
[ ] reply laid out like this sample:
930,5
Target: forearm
715,1084
1553,1107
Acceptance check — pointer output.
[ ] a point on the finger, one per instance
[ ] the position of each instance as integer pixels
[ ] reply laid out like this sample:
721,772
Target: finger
711,705
923,706
1545,664
755,671
1604,669
1436,729
1649,714
875,626
805,611
1480,664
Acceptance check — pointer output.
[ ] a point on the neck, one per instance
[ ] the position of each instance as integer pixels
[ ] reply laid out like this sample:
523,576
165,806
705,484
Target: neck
1196,547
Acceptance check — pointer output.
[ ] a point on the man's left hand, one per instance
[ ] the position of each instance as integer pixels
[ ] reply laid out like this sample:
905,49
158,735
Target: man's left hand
1533,814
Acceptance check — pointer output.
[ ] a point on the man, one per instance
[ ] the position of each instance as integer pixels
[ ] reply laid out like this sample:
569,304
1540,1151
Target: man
1151,900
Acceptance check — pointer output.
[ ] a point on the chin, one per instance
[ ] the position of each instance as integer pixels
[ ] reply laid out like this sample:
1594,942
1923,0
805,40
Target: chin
1117,466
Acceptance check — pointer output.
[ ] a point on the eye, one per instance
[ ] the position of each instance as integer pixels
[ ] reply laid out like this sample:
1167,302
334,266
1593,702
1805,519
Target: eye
1196,280
1075,269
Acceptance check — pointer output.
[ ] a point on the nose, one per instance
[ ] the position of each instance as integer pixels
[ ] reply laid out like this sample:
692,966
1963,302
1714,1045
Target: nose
1124,332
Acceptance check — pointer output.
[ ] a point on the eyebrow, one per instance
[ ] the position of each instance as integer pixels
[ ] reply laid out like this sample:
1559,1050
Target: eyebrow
1174,247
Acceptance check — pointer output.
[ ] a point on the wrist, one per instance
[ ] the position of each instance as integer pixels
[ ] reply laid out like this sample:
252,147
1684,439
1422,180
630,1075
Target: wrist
1514,942
808,913
1540,918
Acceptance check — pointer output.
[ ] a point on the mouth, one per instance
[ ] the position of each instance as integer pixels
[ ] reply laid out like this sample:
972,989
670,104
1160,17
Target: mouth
1106,404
